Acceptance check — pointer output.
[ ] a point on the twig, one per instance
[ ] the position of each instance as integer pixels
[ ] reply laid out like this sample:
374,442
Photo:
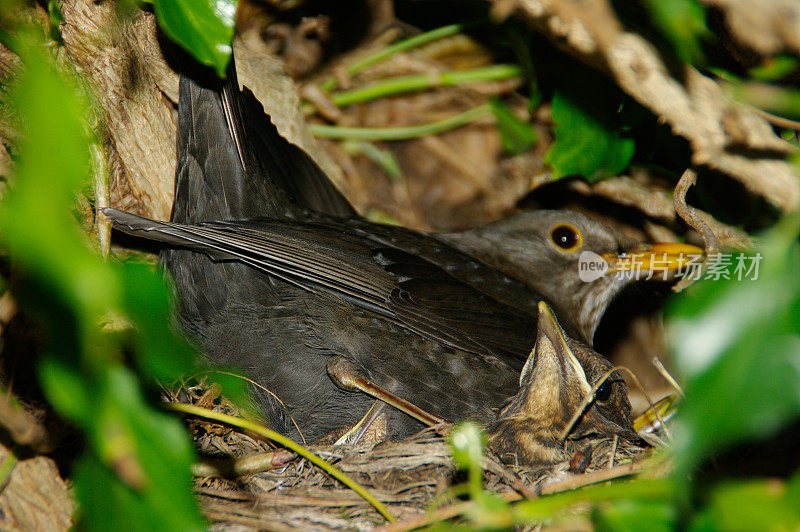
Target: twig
695,219
457,160
244,465
440,514
402,46
655,203
595,477
766,97
399,133
669,378
24,428
100,171
8,308
779,121
509,476
261,430
417,82
613,452
572,483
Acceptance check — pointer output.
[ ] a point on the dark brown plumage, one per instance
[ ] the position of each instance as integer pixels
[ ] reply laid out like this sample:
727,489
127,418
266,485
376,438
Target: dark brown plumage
282,292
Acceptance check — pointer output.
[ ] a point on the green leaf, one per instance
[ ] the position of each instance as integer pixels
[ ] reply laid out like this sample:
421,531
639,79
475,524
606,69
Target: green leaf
66,389
204,28
737,344
793,490
683,23
515,134
160,352
620,490
67,286
468,442
749,505
634,514
775,68
591,137
378,216
383,158
141,476
135,472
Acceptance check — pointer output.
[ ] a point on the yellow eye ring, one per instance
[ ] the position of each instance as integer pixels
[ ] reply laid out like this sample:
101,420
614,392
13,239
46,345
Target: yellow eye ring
566,237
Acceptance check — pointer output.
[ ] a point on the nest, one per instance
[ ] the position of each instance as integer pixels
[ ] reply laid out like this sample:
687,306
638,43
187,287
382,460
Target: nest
412,477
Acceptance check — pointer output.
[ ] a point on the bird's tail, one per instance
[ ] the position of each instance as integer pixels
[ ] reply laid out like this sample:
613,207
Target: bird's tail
233,163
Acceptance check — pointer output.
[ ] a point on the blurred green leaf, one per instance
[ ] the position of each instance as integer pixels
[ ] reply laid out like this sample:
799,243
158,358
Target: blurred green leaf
66,389
749,505
204,28
775,68
160,352
468,442
641,490
631,514
142,476
378,216
515,134
683,23
489,512
135,471
383,158
737,344
783,101
591,137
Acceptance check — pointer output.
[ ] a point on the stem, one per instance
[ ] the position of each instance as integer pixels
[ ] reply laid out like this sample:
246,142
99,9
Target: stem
261,430
773,99
537,509
407,44
418,82
399,133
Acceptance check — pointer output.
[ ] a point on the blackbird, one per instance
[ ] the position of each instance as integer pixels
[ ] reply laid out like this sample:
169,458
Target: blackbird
285,294
542,249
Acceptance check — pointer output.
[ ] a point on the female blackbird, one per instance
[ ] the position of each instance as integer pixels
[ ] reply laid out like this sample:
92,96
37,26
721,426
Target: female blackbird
542,249
280,292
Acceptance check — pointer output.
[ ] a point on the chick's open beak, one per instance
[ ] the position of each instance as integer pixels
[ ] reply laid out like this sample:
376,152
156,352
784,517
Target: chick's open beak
657,259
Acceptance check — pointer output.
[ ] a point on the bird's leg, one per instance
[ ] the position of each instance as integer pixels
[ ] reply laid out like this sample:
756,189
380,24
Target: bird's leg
347,375
357,432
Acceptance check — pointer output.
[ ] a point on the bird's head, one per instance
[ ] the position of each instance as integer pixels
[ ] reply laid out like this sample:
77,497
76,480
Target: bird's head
549,418
578,263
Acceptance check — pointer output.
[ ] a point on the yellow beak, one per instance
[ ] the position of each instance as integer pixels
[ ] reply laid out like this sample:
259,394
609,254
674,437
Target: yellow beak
649,421
663,258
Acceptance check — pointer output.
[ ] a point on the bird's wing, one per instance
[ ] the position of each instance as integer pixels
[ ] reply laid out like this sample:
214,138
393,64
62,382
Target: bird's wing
466,268
285,171
387,281
290,168
233,163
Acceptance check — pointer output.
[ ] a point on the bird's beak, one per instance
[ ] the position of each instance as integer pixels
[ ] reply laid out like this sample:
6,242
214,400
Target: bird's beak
661,260
650,420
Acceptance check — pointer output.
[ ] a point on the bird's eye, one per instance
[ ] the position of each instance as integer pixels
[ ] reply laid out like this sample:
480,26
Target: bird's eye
603,393
566,236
